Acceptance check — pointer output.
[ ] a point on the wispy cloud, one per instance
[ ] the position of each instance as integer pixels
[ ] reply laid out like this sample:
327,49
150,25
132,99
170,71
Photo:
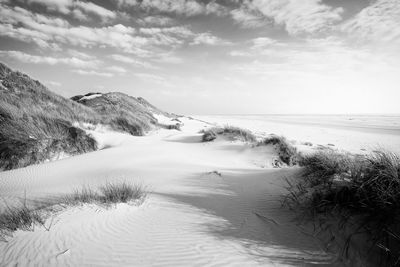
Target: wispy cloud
183,7
35,59
298,17
97,10
208,39
249,18
131,61
379,22
93,73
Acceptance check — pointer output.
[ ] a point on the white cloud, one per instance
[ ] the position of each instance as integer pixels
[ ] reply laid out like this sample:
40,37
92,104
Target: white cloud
157,21
249,19
76,8
127,3
262,42
183,7
34,59
79,15
55,5
152,78
92,8
26,26
379,22
298,17
238,53
93,73
116,69
132,61
208,39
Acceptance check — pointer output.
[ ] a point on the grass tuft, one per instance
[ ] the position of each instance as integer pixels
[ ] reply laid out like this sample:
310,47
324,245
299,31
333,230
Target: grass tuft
362,189
19,218
121,192
14,218
230,131
287,153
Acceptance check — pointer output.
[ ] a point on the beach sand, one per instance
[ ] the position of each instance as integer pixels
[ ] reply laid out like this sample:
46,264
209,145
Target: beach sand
209,204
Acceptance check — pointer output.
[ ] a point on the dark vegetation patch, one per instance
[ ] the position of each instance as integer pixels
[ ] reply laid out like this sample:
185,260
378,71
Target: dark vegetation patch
287,152
232,132
361,192
37,124
176,126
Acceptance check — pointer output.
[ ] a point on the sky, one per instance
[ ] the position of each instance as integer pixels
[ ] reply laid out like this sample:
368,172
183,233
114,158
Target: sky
213,56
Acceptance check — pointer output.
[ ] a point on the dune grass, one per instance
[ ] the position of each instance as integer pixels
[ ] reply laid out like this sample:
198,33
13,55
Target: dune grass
363,190
230,131
38,125
24,218
21,218
287,152
110,193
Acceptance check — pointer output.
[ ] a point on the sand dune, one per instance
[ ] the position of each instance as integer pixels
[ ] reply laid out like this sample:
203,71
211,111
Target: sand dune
192,217
354,133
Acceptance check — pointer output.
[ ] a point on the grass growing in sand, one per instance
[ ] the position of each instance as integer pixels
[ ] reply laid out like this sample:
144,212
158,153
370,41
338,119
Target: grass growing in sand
230,131
363,190
287,153
38,125
24,218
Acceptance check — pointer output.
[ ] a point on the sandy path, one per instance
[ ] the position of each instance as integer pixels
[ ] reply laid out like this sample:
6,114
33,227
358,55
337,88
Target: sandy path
191,218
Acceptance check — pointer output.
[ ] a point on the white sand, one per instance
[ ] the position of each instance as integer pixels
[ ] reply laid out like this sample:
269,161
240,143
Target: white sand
190,218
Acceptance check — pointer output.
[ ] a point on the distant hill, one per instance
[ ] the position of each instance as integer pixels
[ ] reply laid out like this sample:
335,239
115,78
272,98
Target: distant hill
122,112
37,125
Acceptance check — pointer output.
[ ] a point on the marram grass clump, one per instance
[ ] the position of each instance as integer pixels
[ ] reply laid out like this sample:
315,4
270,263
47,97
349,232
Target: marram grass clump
287,152
24,218
229,131
363,190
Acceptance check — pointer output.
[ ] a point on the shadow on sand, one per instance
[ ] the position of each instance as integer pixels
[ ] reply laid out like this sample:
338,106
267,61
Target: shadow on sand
254,215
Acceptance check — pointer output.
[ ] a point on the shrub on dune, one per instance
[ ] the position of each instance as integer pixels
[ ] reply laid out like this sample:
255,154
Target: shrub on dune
287,153
230,131
37,125
361,188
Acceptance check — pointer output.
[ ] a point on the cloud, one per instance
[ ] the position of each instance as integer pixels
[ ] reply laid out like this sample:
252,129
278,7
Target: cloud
61,6
50,32
238,53
97,10
153,78
132,61
186,8
208,39
379,22
249,19
93,73
24,25
34,59
127,3
116,69
262,42
156,21
170,36
298,17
